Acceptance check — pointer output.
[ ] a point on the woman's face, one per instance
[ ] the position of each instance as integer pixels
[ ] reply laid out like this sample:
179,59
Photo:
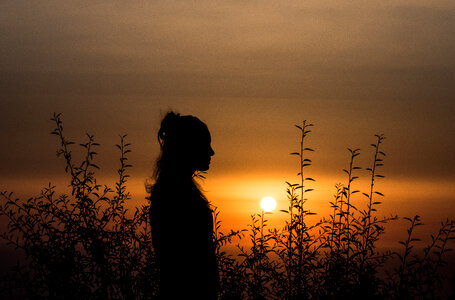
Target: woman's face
202,151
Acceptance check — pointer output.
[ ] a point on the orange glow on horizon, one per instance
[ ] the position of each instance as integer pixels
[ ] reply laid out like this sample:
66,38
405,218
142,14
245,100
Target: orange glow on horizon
237,196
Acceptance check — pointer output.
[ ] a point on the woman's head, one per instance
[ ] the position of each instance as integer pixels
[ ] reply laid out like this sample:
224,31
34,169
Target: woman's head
185,145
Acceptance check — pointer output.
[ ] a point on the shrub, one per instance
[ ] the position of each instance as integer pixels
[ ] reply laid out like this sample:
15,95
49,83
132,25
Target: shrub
86,245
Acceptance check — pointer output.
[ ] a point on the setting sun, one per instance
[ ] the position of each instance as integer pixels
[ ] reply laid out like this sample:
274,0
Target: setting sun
268,204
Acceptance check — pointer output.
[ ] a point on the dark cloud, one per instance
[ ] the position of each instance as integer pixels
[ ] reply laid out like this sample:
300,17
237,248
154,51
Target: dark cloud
112,66
342,50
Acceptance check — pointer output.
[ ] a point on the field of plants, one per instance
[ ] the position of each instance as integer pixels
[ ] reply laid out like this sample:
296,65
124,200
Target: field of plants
87,245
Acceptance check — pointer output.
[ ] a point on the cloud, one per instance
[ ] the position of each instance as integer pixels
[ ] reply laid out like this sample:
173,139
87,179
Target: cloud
228,38
393,56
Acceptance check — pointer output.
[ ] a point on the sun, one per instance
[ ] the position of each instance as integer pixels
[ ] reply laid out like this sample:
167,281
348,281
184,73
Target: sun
268,204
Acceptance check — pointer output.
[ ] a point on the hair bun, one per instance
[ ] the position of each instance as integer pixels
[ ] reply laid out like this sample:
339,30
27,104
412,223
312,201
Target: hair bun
168,125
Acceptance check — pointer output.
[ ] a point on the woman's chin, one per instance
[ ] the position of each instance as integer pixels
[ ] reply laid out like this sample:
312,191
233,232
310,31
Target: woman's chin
204,167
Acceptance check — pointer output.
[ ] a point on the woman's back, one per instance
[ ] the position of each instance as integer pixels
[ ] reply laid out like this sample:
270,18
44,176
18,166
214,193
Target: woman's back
182,235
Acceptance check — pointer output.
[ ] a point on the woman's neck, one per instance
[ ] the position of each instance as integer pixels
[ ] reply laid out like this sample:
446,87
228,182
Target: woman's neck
177,174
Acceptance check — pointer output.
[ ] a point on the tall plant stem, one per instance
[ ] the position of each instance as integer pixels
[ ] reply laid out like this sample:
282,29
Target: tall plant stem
348,193
366,238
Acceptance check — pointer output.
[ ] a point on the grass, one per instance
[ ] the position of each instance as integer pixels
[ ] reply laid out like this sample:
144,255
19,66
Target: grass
88,245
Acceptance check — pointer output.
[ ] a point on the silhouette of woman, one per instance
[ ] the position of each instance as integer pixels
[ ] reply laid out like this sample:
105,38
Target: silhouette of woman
181,220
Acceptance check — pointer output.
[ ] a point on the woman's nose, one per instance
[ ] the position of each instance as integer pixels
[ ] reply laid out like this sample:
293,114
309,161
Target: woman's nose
211,152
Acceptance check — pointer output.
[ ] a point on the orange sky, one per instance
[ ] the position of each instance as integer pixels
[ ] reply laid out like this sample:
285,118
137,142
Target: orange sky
250,71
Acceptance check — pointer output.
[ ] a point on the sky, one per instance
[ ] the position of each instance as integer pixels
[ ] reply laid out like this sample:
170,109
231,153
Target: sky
251,70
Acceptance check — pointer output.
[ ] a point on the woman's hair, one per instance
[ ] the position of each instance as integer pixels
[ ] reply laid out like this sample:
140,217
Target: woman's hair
175,134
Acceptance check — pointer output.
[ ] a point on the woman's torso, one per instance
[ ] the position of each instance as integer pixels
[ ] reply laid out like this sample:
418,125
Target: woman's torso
182,236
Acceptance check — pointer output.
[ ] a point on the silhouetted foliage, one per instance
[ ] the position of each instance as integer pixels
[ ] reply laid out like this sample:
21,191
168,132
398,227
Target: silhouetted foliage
88,245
